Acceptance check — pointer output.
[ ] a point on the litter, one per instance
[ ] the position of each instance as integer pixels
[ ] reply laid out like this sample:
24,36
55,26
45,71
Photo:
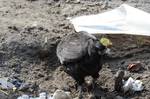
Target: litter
42,95
133,85
58,94
23,97
4,84
122,20
135,66
12,84
127,85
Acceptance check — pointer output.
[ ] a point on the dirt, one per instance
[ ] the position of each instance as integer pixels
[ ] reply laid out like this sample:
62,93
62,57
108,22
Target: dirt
31,29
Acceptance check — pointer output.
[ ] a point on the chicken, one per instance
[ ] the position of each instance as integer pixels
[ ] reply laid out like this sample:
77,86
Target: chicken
81,54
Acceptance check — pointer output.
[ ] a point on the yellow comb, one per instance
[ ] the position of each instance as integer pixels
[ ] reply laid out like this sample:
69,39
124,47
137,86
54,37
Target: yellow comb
105,41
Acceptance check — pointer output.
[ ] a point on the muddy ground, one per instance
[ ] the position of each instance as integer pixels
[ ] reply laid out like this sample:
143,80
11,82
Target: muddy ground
24,25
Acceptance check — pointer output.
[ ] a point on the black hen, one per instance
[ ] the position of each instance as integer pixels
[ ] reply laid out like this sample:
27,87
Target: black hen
81,54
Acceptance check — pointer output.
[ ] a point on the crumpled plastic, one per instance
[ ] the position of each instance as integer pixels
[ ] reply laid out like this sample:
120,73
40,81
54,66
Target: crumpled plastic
122,20
133,85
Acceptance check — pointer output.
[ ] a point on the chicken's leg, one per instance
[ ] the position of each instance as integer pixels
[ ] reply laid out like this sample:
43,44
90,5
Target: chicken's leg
80,89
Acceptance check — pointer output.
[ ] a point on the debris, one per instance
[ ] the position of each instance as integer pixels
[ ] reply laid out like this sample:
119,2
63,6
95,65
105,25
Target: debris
124,20
128,84
23,97
12,84
60,94
8,85
133,85
122,85
3,91
134,67
138,85
42,95
4,84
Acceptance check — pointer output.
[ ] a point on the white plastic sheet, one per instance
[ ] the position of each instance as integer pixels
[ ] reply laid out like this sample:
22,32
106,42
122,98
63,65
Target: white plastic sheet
122,20
134,85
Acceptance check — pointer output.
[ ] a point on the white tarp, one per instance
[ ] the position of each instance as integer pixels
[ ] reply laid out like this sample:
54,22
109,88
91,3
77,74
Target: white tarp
122,20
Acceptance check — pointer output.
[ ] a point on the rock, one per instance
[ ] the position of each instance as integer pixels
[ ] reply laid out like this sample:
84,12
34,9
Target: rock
24,87
60,94
118,80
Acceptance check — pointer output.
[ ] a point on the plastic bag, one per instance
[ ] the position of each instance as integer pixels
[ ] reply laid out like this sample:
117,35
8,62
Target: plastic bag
122,20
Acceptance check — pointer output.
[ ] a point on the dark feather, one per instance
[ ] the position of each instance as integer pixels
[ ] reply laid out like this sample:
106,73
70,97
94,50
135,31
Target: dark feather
78,53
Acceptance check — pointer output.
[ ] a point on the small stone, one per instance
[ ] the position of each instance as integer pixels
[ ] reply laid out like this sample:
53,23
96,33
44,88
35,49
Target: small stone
60,94
24,87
